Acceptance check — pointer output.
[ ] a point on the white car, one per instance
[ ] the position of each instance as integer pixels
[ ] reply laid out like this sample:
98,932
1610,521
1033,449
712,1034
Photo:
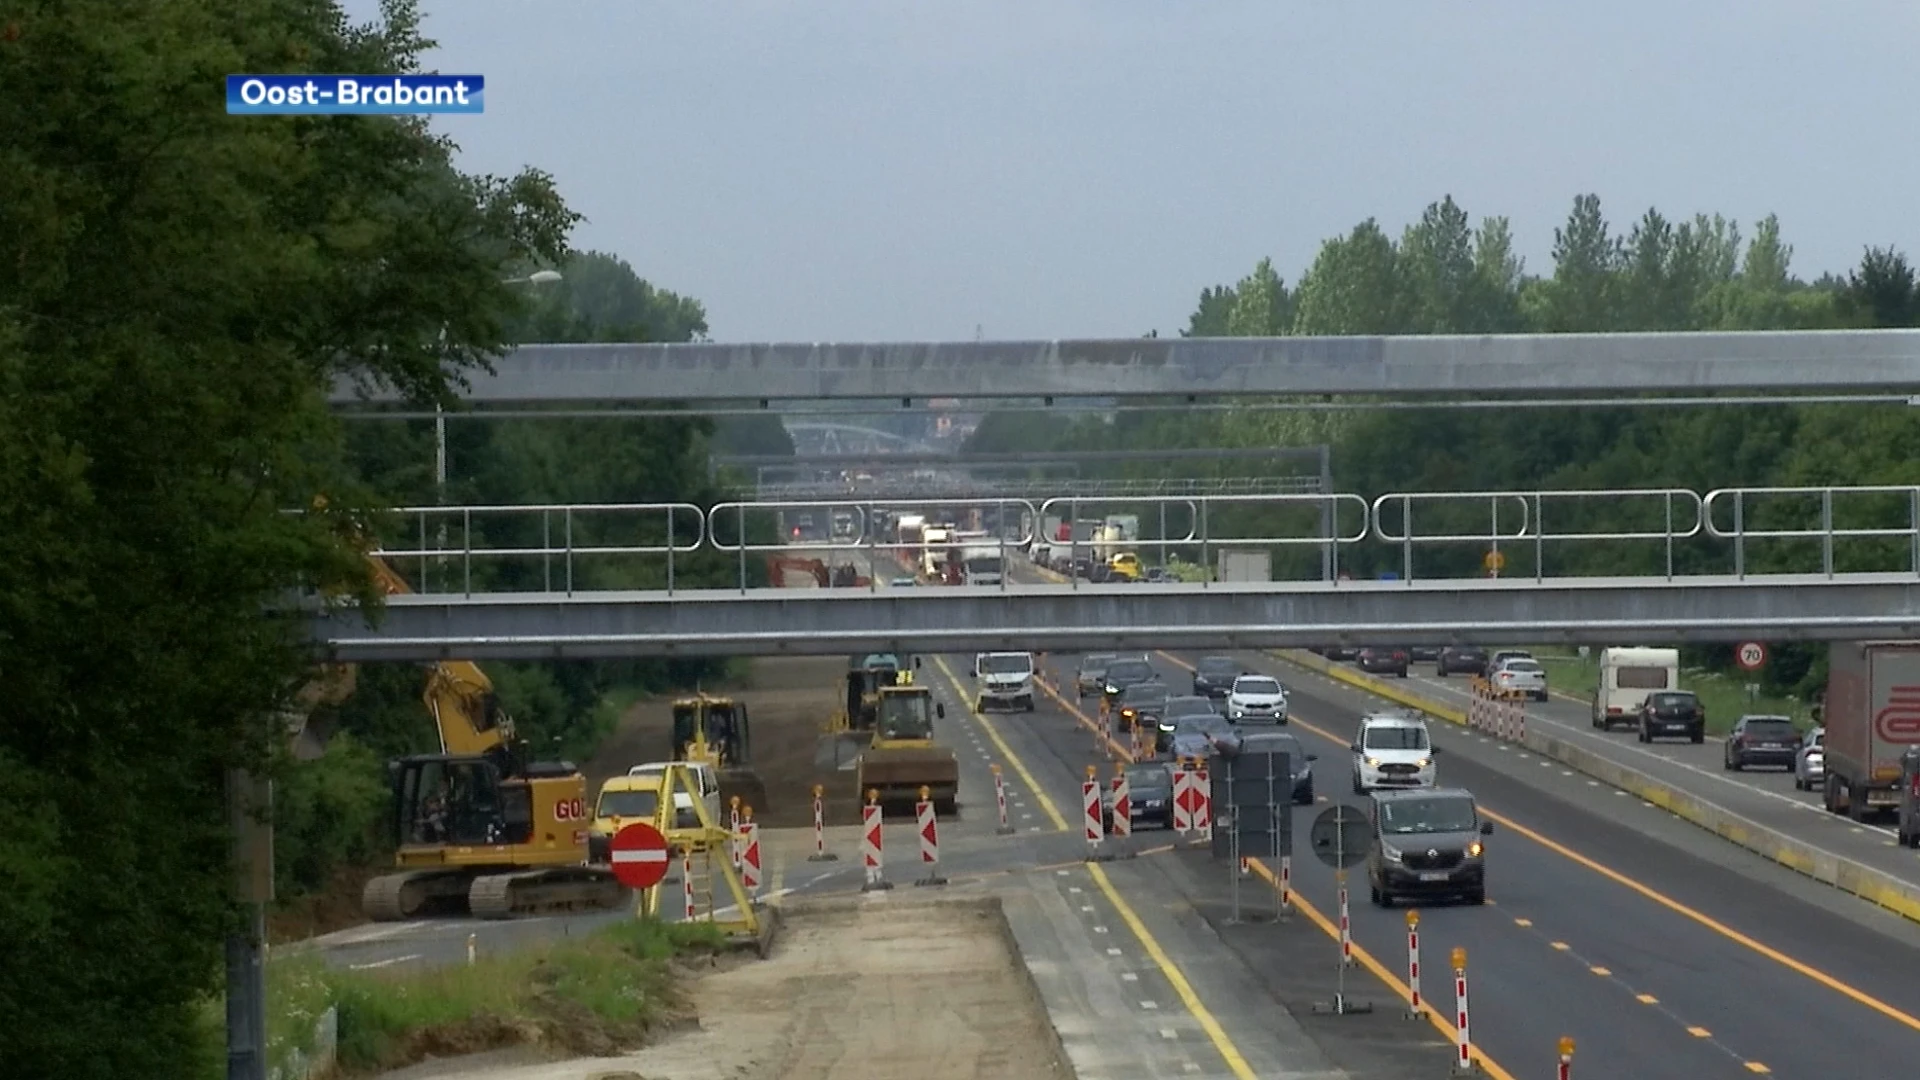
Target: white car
1257,699
1521,676
703,777
1004,679
1391,751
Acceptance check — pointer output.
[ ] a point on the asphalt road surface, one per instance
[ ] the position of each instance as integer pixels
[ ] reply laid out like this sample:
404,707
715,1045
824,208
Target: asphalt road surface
1659,962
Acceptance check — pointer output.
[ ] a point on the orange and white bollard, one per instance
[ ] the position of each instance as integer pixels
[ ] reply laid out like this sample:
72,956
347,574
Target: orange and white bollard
1286,884
820,852
1000,798
929,839
1414,1005
1463,1041
686,884
733,832
1090,812
749,852
1566,1057
1203,815
871,844
1520,723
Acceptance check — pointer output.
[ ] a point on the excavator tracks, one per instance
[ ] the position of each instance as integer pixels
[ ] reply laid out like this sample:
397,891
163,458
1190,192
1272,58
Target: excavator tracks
542,892
414,894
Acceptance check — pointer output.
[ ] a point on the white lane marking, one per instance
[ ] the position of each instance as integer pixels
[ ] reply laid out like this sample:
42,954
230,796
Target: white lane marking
1128,976
384,963
767,899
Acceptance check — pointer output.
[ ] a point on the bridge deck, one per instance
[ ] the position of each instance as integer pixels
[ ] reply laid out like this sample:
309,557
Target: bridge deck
1060,617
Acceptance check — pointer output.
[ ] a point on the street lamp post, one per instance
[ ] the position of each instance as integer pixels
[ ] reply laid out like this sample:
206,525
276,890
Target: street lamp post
538,277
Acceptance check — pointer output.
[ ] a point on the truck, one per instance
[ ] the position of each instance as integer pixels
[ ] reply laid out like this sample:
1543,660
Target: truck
1243,566
980,564
1872,715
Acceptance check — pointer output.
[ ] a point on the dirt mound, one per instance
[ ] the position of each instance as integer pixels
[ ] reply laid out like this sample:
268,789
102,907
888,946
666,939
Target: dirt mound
789,700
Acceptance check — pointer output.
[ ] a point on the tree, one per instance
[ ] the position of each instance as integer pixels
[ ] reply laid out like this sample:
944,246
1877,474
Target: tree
180,289
1261,305
1211,318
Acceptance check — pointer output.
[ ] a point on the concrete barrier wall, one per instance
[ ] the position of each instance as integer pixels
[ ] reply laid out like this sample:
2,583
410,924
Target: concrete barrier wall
1841,873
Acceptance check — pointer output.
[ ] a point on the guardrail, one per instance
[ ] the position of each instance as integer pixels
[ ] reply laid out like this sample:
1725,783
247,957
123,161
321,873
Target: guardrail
1678,533
935,492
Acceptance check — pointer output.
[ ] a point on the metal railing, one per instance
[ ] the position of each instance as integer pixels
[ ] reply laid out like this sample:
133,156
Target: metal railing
475,549
1740,509
568,533
1682,512
935,492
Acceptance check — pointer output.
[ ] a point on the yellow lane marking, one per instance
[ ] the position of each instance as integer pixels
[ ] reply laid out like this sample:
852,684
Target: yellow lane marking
1019,767
1181,988
1560,946
1366,959
1602,972
1709,922
1756,1067
1648,999
1523,922
1700,1033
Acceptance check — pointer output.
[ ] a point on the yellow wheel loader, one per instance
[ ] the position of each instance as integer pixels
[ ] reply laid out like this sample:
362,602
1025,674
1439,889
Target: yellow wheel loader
715,731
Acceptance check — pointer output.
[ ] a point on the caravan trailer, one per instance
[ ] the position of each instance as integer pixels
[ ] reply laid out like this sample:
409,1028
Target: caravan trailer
1627,676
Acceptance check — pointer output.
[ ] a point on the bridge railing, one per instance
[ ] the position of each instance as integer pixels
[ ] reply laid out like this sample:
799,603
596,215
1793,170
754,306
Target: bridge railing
733,526
1508,524
548,547
1196,527
1880,525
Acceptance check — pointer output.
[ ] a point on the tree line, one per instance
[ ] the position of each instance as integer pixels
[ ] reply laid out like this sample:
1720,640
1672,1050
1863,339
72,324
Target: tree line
1448,274
179,291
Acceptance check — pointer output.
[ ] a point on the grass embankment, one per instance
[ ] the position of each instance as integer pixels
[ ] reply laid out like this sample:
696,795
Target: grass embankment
597,994
1724,696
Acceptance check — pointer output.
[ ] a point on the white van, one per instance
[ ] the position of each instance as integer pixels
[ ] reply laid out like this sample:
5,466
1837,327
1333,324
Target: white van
1004,679
704,778
1627,676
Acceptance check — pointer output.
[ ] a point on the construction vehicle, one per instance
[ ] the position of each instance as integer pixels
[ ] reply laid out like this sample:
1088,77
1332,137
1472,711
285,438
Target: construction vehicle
715,731
479,829
786,571
849,731
903,757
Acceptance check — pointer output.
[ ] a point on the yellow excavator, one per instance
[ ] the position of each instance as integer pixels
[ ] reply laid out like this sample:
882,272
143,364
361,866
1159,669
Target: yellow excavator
715,731
479,829
903,757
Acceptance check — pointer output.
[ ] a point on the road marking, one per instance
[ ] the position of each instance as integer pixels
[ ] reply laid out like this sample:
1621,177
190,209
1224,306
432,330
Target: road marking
1700,1033
1561,946
1366,959
384,963
1647,999
1603,972
1756,1067
1182,989
1523,922
1830,982
1013,759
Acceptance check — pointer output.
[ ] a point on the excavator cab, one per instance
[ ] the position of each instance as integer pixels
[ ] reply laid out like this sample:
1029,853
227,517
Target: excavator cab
459,801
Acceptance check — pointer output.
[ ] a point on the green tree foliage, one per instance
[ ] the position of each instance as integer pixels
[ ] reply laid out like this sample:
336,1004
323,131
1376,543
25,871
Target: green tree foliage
178,289
1447,275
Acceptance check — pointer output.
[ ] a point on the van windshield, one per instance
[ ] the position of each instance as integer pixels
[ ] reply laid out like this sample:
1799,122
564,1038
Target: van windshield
640,804
1401,817
1007,664
1397,737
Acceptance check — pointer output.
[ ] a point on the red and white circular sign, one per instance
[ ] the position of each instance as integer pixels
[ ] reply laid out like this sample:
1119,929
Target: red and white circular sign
1750,655
639,856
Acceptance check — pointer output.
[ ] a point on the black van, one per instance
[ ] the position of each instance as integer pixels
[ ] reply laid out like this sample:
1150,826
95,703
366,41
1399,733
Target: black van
1426,843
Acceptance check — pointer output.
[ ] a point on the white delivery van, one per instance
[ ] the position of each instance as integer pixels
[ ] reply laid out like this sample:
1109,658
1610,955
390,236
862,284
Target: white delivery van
1627,676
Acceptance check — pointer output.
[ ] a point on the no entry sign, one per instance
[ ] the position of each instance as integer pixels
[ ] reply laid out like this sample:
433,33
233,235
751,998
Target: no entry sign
639,856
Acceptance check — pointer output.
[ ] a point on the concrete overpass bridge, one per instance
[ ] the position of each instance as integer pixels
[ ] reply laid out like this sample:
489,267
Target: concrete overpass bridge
1597,567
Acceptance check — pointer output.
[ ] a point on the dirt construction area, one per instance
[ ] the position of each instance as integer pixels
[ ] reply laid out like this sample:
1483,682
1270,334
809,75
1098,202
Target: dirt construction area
855,990
788,700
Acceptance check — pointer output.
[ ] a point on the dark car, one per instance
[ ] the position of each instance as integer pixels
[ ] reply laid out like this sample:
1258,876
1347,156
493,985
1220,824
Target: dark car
1762,740
1214,675
1198,736
1384,660
1299,763
1092,674
1340,652
1426,843
1455,659
1149,797
1142,703
1673,712
1424,654
1123,672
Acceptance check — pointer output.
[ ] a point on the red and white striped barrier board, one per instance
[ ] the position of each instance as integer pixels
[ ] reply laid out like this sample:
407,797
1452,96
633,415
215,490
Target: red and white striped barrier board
750,856
1203,816
1183,797
1414,1006
1463,1042
929,843
686,883
1000,799
1090,812
820,852
1286,882
871,845
1346,925
1122,807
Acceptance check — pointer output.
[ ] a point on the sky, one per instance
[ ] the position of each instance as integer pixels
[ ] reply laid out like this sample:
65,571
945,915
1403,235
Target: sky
881,170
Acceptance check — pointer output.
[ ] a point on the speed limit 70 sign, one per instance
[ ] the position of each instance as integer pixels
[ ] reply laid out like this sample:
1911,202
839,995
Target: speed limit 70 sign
1750,655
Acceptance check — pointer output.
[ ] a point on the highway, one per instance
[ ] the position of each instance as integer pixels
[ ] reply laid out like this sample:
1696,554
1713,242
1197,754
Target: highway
1766,797
1659,963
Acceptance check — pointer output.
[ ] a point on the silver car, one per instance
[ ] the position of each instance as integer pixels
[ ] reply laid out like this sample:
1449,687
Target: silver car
1810,763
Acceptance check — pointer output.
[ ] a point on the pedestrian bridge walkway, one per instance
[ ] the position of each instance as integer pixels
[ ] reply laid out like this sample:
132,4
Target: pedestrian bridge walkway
704,622
1599,567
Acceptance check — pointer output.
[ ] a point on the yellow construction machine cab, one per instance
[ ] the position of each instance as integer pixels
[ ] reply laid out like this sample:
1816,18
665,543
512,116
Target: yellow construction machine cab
903,757
711,729
905,716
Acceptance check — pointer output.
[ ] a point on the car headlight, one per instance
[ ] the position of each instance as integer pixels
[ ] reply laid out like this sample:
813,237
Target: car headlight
1422,763
1389,854
1112,689
1373,763
1474,849
1166,727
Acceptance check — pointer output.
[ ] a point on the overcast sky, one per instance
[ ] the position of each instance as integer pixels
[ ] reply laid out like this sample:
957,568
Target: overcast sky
887,170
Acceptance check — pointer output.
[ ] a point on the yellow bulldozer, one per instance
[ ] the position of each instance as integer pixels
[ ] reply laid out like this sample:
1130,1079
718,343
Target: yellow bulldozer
903,757
715,731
